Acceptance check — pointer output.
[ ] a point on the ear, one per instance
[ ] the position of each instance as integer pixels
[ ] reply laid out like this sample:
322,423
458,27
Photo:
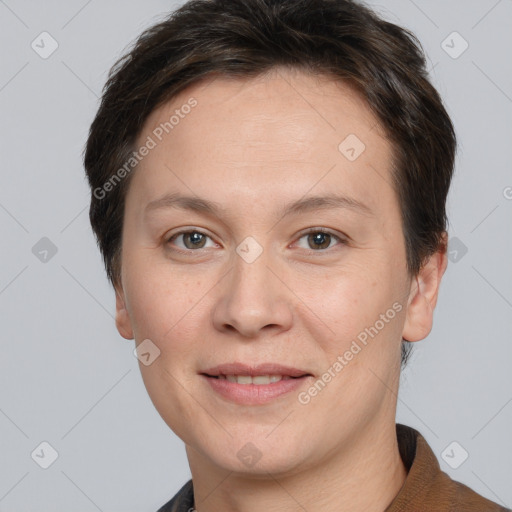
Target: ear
423,295
123,322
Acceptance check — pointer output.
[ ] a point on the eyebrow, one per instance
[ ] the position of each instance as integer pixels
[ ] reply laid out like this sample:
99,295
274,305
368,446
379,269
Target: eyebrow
303,205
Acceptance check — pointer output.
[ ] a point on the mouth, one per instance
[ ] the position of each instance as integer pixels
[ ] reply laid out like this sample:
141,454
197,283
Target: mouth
242,372
251,385
254,379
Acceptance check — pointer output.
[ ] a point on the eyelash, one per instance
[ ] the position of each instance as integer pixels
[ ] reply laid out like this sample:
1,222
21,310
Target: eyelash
301,235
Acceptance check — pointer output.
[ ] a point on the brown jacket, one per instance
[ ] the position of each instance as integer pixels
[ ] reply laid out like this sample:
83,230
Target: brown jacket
426,488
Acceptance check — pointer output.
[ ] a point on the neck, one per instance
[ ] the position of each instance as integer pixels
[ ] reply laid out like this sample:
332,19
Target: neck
365,477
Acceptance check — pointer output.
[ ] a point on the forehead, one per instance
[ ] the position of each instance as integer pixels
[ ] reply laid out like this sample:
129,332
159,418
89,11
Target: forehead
281,132
297,100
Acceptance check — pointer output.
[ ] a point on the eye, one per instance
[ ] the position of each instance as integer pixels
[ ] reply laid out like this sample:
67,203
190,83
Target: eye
319,238
192,239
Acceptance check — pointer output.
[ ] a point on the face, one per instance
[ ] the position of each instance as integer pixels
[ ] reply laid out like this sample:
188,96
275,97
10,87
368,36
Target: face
288,253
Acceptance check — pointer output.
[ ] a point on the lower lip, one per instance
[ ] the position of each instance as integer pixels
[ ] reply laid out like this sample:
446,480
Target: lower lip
254,394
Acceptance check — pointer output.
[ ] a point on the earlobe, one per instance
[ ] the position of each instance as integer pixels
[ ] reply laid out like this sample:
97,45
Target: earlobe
123,322
423,296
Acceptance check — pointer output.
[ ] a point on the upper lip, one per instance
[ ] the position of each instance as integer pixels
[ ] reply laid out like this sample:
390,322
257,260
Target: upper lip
254,370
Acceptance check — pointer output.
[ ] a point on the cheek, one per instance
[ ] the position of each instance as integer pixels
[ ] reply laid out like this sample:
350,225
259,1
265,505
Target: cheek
347,302
167,304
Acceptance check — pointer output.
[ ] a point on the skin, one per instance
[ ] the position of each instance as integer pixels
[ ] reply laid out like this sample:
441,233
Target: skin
253,145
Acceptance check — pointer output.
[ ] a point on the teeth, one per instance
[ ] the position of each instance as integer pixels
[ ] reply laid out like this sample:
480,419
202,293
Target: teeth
258,379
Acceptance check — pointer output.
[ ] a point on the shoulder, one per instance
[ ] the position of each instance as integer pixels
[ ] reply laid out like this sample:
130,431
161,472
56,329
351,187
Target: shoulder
427,487
465,497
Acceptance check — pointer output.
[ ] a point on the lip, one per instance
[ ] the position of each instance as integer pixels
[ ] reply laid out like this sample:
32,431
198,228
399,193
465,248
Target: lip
254,394
254,370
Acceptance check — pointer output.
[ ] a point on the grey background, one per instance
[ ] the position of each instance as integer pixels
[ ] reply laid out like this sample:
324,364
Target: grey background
68,378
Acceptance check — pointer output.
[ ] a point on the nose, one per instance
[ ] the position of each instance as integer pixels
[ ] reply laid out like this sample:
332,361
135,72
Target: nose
253,298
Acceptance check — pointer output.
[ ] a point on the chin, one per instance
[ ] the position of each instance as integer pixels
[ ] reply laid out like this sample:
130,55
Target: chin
282,465
255,455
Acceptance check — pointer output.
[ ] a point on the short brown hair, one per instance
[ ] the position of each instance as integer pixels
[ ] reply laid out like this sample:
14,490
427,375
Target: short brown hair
340,39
